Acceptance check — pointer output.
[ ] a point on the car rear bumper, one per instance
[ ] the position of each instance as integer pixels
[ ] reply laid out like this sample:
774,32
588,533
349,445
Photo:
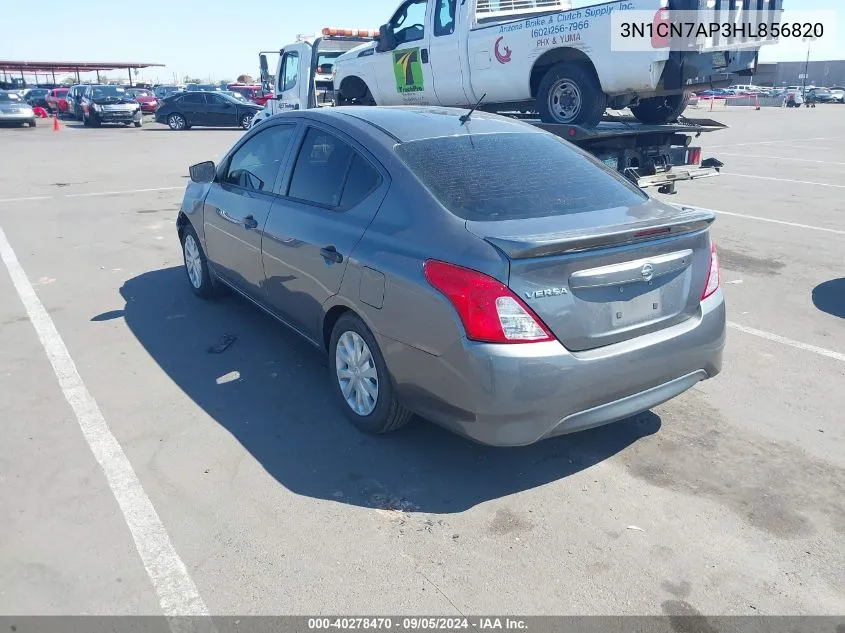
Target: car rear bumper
16,118
512,395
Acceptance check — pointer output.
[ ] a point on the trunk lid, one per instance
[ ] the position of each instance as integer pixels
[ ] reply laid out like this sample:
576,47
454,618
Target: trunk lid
602,277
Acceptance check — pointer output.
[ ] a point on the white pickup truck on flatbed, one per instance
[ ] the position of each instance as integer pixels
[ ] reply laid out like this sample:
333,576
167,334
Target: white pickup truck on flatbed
535,55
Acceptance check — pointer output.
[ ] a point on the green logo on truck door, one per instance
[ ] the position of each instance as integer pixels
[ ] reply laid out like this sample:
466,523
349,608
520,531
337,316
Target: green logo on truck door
407,67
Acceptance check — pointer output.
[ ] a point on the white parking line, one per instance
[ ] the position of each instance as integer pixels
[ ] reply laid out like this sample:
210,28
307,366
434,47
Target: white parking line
757,218
800,160
92,193
785,140
787,341
177,593
799,182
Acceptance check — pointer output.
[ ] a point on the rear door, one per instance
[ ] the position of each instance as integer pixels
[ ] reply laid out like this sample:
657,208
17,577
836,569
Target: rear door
194,108
237,206
333,192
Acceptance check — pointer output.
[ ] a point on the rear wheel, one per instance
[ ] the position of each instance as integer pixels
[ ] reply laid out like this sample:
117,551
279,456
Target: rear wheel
177,122
571,93
361,380
659,110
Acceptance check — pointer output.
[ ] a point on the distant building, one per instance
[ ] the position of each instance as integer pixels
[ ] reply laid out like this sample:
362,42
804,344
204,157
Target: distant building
818,73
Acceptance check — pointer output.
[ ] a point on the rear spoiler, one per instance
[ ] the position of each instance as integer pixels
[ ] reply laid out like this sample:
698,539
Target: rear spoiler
524,247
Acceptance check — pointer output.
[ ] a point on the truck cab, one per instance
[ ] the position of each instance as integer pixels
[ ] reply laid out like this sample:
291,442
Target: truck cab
305,70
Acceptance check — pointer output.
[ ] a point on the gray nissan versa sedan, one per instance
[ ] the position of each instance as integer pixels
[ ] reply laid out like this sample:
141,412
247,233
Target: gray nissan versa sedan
483,274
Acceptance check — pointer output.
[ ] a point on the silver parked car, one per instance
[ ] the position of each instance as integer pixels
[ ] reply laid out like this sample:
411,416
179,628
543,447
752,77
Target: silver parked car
483,274
15,110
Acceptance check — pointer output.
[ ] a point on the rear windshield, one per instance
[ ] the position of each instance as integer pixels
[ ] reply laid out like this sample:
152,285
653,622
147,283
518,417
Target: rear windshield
491,177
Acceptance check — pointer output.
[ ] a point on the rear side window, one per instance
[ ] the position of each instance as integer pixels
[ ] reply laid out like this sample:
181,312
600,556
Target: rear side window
360,182
492,177
321,169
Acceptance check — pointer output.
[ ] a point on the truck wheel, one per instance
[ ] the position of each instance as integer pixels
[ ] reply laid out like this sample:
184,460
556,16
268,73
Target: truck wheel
571,93
658,110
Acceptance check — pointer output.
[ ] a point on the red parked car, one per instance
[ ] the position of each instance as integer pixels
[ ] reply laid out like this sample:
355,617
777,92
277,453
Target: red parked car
57,100
145,97
253,93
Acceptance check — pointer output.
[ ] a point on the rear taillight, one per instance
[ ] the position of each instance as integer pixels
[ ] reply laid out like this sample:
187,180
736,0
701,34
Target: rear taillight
713,275
694,156
660,29
489,311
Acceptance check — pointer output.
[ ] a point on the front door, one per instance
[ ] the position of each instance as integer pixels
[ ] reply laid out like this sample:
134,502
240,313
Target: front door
404,74
237,206
333,194
294,70
221,111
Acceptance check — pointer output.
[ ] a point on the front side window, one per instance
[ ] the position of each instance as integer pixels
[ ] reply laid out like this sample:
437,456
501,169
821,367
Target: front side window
444,17
408,23
290,71
256,163
195,98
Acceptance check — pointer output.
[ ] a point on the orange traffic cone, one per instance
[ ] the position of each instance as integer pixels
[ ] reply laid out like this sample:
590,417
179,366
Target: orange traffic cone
56,126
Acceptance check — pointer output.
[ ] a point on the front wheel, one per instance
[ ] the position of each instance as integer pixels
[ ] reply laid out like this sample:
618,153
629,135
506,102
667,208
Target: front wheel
246,120
196,264
137,123
659,110
361,380
570,93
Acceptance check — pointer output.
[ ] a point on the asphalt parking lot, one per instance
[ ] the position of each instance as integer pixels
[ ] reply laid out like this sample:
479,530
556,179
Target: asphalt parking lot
238,488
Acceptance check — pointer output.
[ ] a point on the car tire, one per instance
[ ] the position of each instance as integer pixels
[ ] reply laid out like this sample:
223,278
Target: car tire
357,368
659,110
177,122
137,123
196,264
246,120
31,123
586,101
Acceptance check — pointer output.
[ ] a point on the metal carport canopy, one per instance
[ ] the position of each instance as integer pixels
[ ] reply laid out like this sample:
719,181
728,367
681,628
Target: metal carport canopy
29,66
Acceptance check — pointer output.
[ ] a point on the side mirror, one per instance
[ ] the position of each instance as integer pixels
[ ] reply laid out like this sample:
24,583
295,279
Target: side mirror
265,70
386,40
203,173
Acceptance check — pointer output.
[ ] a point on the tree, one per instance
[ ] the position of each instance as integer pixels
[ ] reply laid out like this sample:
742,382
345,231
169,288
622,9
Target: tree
68,81
245,79
187,79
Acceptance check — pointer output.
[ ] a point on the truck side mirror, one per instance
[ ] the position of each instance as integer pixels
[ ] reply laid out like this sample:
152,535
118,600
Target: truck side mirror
265,71
386,39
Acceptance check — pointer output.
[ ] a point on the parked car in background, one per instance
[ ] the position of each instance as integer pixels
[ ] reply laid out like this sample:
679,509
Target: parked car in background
74,97
37,97
162,92
718,93
109,104
254,93
57,100
236,95
145,98
211,109
201,88
837,95
15,110
508,315
819,95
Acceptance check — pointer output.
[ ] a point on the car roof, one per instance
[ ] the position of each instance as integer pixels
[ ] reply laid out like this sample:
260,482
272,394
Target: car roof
414,123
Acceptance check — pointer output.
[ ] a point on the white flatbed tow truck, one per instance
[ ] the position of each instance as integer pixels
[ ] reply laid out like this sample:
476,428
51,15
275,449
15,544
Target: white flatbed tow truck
649,155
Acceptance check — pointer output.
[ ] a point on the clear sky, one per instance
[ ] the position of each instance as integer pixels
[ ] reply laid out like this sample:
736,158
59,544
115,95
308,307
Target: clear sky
220,39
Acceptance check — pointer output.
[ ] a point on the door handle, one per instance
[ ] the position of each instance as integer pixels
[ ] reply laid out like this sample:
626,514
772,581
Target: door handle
250,222
424,55
330,254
